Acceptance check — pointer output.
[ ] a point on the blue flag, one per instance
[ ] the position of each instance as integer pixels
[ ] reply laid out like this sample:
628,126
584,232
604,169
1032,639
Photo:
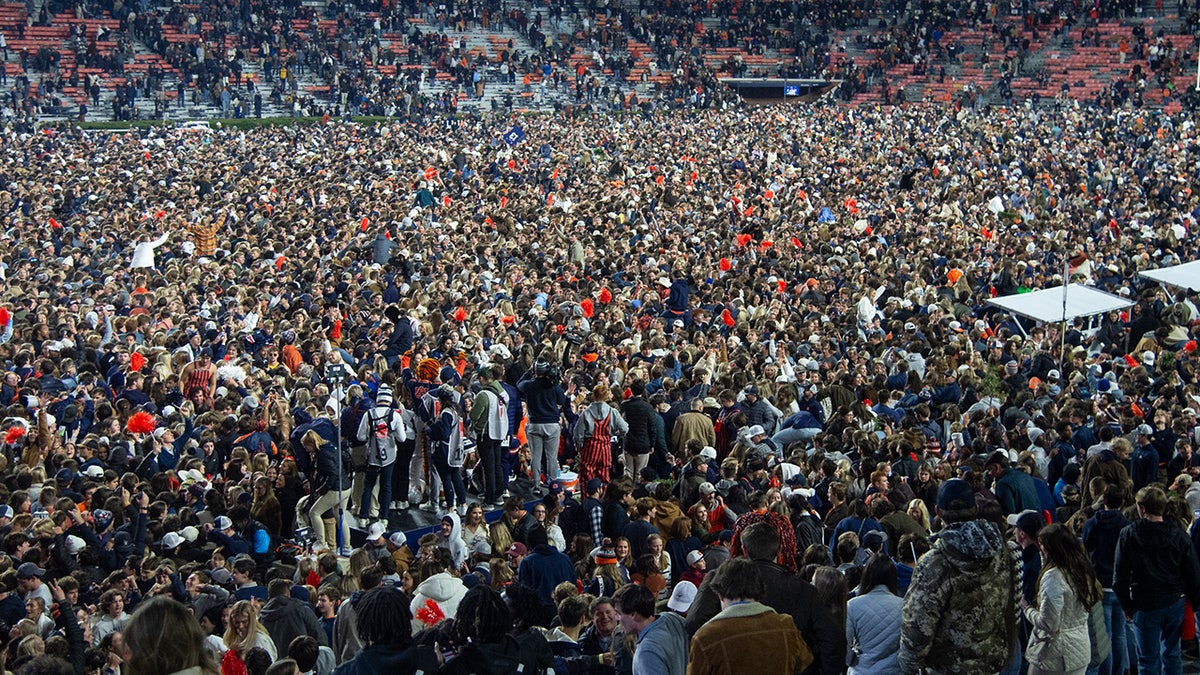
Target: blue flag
514,135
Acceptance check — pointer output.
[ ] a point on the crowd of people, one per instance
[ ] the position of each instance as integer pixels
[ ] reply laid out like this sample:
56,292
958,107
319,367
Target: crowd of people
731,377
409,59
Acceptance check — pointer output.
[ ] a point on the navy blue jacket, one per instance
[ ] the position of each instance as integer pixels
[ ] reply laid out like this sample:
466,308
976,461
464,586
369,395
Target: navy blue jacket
1100,535
544,398
544,568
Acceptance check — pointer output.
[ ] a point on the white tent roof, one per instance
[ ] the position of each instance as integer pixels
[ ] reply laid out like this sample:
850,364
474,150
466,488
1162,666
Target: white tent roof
1186,275
1047,305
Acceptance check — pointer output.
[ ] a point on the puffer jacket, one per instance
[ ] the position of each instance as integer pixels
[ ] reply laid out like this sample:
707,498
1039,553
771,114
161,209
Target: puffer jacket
873,632
637,412
1059,641
961,608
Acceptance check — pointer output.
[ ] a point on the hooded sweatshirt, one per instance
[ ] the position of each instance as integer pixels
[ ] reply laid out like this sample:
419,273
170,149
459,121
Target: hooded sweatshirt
595,411
455,543
445,590
961,608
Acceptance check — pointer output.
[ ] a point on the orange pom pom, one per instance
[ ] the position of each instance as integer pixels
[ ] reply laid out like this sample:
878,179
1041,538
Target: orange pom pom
14,434
725,265
605,296
727,318
588,308
141,423
136,361
460,315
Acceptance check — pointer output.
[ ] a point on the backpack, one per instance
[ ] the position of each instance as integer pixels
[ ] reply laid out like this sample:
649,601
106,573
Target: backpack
380,430
501,402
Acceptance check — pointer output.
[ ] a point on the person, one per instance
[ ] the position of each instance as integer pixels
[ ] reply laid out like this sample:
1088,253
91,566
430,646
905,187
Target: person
545,400
345,625
544,568
449,537
787,593
961,608
287,618
163,638
593,510
331,488
597,426
483,625
448,451
243,633
1067,589
639,530
1154,571
602,640
745,627
639,436
873,620
1015,490
1100,535
1026,527
438,595
662,640
489,422
385,629
564,638
382,430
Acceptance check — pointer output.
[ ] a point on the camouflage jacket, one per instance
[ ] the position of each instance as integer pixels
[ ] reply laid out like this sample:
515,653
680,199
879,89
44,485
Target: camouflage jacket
960,613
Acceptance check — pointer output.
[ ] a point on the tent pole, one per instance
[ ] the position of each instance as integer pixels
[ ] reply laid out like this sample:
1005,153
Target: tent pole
1062,348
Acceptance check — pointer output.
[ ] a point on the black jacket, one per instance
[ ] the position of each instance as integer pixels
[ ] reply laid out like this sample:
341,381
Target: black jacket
384,659
786,594
287,618
327,471
1155,566
638,412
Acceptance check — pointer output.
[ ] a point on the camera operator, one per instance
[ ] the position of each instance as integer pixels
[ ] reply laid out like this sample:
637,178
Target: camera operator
544,397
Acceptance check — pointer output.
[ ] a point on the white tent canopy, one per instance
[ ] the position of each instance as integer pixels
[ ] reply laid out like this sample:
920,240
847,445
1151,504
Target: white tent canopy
1047,305
1186,275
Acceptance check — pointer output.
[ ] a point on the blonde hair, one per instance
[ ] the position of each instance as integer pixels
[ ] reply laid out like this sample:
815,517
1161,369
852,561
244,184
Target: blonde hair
311,437
244,643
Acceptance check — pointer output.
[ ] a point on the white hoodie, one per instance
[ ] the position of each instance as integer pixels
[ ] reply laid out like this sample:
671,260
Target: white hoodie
445,590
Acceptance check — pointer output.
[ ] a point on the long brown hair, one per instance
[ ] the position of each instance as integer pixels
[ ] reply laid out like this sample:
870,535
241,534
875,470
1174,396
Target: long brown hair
1064,551
164,637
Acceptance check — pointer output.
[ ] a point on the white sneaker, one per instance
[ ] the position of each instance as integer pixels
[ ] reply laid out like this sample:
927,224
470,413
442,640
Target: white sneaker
462,510
402,505
429,506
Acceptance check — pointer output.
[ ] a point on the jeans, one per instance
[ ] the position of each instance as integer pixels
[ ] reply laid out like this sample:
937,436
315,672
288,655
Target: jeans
786,437
1114,622
489,456
383,474
401,470
452,482
543,448
1157,631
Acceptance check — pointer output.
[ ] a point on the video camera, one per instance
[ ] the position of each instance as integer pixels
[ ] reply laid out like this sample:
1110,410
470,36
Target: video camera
545,369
